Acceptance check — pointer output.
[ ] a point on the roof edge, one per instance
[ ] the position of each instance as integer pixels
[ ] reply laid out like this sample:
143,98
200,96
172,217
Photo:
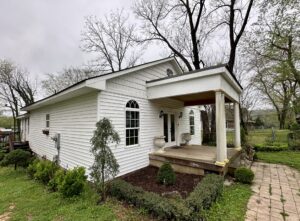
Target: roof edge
140,66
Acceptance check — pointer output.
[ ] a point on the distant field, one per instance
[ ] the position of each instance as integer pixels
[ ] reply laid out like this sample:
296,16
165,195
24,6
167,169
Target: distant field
261,136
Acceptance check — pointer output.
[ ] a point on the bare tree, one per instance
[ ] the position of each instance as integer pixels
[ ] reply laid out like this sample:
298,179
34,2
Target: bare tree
278,89
234,14
56,82
16,89
112,39
178,24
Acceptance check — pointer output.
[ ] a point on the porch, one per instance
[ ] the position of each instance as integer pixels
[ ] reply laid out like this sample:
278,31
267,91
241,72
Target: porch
214,85
193,159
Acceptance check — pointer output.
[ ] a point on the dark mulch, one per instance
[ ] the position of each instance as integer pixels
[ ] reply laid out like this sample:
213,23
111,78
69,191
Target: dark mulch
146,178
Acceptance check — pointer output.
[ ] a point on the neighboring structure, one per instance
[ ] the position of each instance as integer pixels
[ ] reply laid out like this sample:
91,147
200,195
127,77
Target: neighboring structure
143,102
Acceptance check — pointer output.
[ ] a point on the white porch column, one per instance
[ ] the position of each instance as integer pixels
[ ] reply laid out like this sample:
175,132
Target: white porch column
237,129
221,129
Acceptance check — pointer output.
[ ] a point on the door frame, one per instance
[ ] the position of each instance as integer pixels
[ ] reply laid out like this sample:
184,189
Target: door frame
170,143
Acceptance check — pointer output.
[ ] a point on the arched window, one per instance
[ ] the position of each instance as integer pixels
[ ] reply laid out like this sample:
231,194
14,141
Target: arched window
192,122
132,123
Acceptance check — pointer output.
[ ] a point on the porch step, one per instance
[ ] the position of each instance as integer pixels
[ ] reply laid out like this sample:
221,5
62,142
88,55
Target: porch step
184,165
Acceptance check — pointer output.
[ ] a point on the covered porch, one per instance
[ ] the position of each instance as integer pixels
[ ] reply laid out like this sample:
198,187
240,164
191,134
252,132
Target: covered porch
213,85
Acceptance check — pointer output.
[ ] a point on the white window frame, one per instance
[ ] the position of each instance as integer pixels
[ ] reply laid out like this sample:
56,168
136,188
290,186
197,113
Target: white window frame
192,123
47,121
132,128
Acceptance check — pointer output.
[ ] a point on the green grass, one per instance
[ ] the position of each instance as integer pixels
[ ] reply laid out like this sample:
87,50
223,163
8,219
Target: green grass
260,136
232,206
34,202
290,158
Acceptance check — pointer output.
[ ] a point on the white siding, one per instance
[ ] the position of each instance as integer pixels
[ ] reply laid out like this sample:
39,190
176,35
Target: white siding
75,120
185,125
111,104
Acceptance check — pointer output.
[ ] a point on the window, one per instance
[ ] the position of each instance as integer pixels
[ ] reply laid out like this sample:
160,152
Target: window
132,123
192,122
169,72
47,120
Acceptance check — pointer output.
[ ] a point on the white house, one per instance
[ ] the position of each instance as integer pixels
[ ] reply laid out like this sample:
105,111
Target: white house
143,102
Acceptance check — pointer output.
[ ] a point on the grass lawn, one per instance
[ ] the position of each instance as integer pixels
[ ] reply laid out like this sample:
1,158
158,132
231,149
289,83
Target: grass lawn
260,136
290,158
32,201
232,206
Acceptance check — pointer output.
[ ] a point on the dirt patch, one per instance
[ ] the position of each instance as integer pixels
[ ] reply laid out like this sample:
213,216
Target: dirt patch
146,178
6,215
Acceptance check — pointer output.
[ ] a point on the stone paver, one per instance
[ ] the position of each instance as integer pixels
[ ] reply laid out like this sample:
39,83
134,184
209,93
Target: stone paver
276,193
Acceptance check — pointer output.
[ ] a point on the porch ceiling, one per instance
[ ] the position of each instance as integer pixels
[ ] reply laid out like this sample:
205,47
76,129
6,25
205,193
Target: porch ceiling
199,98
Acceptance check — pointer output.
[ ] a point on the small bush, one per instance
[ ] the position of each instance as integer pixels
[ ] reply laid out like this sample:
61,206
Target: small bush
275,147
73,182
2,155
244,175
294,140
57,180
205,193
163,208
45,171
17,158
166,175
31,169
255,156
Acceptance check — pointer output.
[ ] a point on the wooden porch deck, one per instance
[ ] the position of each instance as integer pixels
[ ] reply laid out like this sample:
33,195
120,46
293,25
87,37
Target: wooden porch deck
193,159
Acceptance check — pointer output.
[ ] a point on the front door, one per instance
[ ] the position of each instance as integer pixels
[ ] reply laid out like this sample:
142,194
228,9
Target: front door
169,129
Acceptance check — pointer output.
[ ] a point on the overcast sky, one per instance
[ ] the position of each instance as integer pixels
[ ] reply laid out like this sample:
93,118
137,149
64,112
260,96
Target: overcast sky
44,35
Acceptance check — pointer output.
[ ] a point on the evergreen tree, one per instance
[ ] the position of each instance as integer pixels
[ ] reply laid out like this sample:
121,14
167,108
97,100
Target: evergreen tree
105,166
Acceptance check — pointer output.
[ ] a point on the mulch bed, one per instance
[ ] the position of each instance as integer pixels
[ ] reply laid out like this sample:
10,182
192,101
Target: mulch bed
146,178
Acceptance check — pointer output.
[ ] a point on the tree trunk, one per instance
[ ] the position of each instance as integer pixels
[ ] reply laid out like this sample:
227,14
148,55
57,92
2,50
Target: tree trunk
213,136
244,126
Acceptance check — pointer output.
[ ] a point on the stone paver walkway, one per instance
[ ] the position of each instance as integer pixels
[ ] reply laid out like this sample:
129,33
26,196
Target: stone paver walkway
276,193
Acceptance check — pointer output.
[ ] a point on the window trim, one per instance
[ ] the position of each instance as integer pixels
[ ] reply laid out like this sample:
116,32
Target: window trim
135,109
47,121
191,114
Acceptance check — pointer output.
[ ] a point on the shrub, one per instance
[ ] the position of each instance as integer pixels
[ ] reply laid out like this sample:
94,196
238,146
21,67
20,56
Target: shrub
45,171
295,126
31,169
294,140
57,180
255,156
244,175
163,208
244,139
17,158
270,148
166,175
2,155
205,193
73,182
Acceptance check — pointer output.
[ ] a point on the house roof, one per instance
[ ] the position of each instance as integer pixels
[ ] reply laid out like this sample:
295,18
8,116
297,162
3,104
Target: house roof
105,76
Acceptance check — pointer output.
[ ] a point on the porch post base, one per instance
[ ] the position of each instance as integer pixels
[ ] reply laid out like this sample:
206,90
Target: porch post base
222,163
238,148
